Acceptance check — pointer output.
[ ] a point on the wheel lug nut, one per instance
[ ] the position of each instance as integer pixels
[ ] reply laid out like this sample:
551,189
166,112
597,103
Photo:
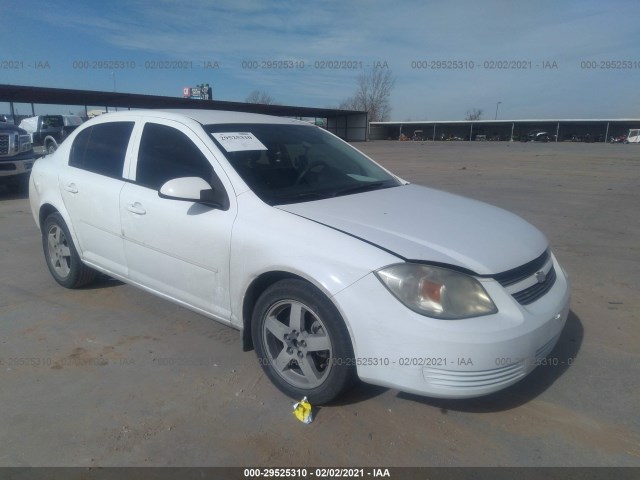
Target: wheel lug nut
299,354
289,350
303,343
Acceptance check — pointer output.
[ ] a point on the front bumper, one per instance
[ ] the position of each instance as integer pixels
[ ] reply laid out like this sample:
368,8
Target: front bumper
398,348
15,167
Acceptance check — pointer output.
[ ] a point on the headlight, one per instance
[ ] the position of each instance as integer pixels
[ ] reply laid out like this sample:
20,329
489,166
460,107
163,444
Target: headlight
25,143
437,292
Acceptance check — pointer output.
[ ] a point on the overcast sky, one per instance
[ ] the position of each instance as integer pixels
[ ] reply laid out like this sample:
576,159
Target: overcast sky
445,56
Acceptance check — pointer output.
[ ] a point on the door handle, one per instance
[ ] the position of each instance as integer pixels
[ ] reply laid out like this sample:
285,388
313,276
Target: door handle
71,187
136,208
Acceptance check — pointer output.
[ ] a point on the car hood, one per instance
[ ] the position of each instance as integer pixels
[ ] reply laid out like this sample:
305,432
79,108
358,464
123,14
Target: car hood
12,128
420,223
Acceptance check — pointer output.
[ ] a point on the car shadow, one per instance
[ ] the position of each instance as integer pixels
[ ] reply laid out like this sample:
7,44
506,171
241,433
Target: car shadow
359,392
102,281
534,384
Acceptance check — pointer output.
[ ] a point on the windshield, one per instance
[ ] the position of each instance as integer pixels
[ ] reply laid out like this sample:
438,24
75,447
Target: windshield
296,163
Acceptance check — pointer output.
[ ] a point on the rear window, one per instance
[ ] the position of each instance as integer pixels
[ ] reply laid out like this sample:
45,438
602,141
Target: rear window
52,122
101,149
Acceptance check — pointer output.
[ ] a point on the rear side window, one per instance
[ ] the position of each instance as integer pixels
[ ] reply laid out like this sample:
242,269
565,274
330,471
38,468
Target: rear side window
101,149
167,153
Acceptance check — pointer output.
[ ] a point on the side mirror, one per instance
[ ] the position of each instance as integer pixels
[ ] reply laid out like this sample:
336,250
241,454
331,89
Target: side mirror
194,189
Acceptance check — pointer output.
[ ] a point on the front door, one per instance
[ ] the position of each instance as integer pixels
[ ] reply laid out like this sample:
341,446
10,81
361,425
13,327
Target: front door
177,248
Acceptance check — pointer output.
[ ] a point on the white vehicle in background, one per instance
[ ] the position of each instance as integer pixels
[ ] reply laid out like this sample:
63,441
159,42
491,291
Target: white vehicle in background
634,136
95,113
331,266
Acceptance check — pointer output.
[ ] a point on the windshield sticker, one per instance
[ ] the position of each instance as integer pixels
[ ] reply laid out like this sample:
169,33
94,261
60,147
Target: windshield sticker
238,141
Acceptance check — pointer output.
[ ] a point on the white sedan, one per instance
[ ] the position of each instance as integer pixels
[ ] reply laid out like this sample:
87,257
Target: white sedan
331,266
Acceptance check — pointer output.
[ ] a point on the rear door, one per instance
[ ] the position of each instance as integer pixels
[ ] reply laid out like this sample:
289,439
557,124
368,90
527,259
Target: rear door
91,186
177,248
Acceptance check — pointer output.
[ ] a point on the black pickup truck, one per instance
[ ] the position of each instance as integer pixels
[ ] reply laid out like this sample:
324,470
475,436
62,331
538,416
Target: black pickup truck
16,156
48,131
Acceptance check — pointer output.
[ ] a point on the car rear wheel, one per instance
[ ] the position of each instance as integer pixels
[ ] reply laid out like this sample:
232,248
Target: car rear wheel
302,342
61,255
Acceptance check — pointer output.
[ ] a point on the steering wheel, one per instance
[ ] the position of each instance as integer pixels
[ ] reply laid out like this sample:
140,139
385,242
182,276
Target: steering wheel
308,168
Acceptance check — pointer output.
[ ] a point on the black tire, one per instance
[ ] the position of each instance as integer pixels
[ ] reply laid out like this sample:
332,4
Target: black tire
296,360
61,255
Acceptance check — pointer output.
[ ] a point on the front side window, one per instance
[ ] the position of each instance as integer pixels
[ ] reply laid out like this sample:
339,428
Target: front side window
296,163
102,148
167,153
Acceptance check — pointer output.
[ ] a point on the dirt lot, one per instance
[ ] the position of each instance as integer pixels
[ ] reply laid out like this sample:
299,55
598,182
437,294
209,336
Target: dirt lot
112,376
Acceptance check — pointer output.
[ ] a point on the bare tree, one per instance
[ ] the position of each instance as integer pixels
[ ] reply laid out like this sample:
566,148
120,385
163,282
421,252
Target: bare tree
372,94
258,96
474,114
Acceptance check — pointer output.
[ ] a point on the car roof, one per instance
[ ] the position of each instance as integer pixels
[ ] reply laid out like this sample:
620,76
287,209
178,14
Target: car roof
207,117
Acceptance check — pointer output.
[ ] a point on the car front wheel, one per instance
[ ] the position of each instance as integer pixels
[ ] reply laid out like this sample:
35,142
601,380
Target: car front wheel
61,255
302,342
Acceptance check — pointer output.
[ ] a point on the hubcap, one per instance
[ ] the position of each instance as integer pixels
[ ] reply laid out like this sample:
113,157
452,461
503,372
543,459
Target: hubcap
297,344
59,252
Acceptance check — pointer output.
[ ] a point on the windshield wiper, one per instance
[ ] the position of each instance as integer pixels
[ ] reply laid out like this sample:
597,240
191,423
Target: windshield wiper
305,196
361,188
298,197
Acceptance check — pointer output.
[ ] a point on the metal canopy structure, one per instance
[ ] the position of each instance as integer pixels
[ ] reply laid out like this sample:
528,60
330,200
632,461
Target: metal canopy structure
593,129
349,125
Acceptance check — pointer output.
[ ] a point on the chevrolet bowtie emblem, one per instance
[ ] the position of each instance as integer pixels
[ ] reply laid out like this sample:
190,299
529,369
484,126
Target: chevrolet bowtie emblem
541,276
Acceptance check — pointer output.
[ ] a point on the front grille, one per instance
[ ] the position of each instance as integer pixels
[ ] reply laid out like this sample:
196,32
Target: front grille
474,379
4,144
518,274
528,271
533,293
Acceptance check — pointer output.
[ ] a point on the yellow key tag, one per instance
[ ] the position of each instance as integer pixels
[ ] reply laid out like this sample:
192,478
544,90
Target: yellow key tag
302,411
